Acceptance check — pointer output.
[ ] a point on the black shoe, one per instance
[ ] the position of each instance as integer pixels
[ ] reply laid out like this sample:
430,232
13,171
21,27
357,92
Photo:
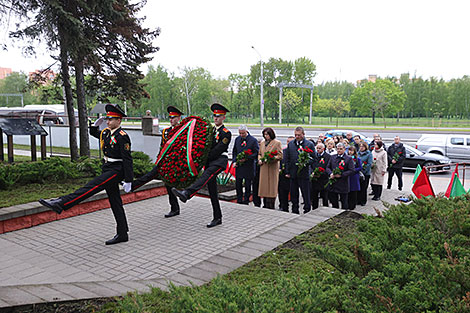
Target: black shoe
306,211
376,198
388,187
371,194
214,222
180,194
172,213
296,212
53,204
117,239
399,188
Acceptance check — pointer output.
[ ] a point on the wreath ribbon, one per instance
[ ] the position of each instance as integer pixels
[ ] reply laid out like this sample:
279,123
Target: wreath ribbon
170,142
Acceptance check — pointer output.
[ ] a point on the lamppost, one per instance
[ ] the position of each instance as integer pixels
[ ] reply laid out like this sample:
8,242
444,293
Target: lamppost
261,83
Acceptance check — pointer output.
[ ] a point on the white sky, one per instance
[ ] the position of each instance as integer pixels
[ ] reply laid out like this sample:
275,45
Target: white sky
346,39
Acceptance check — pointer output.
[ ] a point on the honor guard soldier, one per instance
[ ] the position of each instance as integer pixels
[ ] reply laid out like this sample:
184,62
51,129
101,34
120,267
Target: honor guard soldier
216,162
175,117
117,166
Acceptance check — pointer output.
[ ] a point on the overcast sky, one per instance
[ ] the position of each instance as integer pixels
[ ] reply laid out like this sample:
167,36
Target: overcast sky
347,40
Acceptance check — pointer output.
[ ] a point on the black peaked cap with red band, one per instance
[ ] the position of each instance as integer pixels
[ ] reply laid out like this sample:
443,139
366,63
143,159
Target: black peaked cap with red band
173,111
219,109
114,110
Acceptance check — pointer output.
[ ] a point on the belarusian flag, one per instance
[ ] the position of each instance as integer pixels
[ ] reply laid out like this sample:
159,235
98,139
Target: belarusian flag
422,186
457,188
449,188
418,170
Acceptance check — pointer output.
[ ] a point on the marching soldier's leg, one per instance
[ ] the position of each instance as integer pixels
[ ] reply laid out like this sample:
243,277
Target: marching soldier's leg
118,211
174,205
209,173
139,182
214,195
92,187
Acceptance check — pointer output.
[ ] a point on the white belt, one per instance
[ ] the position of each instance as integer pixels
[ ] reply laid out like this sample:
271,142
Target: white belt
225,153
107,159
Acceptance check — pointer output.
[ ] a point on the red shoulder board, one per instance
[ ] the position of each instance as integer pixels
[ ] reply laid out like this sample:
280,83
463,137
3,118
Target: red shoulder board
225,130
123,132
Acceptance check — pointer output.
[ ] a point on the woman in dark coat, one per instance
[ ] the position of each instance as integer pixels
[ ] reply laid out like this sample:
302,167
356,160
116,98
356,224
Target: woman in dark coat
354,181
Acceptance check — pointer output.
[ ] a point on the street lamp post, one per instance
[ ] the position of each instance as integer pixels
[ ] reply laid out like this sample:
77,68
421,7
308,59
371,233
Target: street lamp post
261,93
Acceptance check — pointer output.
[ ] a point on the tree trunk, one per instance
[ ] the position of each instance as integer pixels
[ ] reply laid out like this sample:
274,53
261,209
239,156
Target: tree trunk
373,117
68,95
81,106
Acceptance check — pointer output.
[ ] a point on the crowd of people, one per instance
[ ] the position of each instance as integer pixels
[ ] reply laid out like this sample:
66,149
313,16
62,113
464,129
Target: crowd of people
334,170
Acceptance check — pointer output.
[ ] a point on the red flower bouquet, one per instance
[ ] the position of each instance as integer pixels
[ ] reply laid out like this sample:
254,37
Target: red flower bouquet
304,159
269,156
337,171
185,153
242,157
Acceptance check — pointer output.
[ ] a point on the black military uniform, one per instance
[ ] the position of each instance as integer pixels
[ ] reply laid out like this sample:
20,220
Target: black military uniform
139,182
216,162
117,166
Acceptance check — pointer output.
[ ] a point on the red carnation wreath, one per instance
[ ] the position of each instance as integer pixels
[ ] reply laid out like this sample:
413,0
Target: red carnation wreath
183,156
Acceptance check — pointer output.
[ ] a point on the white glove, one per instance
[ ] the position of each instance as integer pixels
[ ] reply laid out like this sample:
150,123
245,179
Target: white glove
127,187
99,121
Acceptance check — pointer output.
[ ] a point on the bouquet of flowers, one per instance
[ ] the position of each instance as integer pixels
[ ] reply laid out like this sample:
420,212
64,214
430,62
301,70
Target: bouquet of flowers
318,171
337,171
181,159
396,156
269,156
304,159
243,156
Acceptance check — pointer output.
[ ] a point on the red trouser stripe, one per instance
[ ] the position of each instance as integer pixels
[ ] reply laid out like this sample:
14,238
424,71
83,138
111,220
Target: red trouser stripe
107,180
210,177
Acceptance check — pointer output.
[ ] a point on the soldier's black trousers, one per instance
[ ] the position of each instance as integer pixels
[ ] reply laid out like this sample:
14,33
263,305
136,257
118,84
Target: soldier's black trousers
209,178
109,180
139,182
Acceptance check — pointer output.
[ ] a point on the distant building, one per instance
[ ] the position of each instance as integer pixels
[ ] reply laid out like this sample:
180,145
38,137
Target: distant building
372,78
42,77
4,72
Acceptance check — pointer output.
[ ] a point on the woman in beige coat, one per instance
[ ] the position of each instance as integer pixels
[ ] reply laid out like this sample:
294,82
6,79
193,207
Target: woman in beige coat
379,168
269,172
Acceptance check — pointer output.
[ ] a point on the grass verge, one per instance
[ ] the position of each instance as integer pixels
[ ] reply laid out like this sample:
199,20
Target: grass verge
55,150
33,192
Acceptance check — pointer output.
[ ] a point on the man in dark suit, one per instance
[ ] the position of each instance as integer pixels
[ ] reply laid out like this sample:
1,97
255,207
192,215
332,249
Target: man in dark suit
256,198
341,187
318,185
396,166
299,179
284,182
116,146
175,117
244,168
216,163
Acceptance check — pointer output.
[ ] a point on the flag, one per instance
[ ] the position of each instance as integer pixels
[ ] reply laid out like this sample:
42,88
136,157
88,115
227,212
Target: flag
418,170
457,188
422,186
449,188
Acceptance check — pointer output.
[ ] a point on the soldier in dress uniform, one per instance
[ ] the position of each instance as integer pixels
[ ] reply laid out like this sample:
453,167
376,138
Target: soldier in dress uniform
216,163
175,117
117,166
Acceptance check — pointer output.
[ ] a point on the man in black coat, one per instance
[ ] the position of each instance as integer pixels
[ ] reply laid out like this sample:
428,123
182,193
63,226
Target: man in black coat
244,168
175,117
216,163
284,182
299,179
117,166
318,185
340,188
396,158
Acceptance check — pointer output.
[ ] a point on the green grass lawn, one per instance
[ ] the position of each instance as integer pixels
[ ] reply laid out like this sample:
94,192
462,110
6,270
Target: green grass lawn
33,192
55,150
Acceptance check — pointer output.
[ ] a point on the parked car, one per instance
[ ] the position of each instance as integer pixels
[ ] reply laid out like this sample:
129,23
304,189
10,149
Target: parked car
343,132
452,146
415,157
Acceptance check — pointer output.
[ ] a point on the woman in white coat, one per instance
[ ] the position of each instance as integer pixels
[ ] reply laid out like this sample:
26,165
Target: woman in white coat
379,168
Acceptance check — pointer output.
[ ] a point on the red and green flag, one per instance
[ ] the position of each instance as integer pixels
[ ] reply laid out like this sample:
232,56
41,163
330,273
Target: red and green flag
422,186
418,170
451,184
457,188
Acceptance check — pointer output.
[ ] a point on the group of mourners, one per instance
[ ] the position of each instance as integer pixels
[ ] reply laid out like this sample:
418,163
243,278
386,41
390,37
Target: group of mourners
333,169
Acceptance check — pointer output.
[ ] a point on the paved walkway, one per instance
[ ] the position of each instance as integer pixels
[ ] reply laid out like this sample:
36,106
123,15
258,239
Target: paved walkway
67,259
